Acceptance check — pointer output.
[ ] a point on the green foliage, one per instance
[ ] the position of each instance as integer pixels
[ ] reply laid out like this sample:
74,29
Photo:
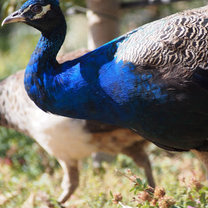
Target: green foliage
17,151
11,59
187,192
8,6
24,176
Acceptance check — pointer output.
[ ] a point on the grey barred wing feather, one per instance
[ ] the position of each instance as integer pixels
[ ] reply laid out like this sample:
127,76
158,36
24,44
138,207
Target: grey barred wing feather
178,42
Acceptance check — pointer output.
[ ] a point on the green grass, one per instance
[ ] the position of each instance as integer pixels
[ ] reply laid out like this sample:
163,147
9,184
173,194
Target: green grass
29,177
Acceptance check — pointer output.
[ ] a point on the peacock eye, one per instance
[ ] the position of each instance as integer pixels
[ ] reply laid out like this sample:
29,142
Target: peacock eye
37,8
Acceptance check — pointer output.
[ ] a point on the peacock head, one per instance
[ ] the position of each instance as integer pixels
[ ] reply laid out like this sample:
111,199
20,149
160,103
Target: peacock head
44,15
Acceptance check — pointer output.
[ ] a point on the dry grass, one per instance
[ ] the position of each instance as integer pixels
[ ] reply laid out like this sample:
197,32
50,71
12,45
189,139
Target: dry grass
180,177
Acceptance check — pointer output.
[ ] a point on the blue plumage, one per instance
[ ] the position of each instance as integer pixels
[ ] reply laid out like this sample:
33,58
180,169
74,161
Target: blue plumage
147,80
42,2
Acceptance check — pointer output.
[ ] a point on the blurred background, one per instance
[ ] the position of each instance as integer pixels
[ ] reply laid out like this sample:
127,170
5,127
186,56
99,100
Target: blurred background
26,167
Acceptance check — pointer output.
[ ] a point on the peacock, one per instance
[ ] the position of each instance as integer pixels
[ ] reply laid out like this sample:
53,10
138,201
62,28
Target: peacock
68,140
152,80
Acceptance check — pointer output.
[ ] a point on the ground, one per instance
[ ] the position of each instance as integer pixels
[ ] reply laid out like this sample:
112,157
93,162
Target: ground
29,177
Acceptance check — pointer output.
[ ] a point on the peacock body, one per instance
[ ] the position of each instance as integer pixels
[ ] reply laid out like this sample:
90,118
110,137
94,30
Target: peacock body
153,80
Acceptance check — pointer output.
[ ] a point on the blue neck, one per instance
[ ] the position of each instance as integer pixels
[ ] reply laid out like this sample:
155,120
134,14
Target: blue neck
47,48
43,62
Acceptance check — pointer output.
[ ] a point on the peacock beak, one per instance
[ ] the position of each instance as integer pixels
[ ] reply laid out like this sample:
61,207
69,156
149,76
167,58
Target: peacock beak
16,16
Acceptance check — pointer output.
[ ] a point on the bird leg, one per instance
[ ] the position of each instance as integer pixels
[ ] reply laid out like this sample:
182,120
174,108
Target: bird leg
203,156
140,157
70,179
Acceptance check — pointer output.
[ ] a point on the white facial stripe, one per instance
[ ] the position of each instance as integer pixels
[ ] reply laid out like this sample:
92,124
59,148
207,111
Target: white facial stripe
45,10
28,8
